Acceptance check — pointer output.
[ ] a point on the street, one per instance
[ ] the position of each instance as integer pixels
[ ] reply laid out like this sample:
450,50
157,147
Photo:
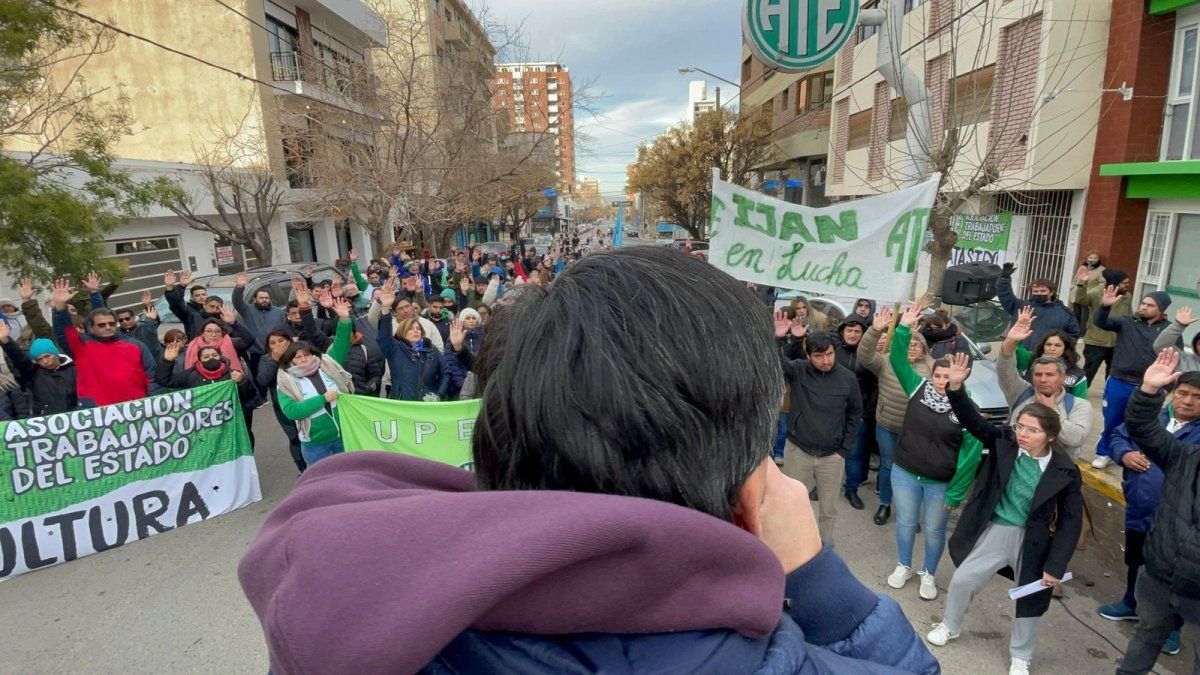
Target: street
172,603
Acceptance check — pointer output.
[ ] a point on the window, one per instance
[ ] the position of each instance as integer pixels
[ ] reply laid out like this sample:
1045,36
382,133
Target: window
1154,247
865,32
747,68
972,95
910,5
783,98
860,130
814,92
1185,274
898,124
1182,124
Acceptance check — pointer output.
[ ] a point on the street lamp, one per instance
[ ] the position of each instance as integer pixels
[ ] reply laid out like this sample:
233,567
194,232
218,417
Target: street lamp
684,70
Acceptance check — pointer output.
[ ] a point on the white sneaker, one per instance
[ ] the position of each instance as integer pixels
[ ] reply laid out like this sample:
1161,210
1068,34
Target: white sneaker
1101,462
928,586
940,635
900,576
1019,667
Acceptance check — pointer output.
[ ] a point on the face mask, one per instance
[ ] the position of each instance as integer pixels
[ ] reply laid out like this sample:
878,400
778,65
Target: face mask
211,364
1092,265
1039,299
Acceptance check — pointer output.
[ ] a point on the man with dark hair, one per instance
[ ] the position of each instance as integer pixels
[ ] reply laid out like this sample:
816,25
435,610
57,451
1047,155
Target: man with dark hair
1098,343
1051,314
823,416
645,460
1168,586
1134,352
850,334
1142,483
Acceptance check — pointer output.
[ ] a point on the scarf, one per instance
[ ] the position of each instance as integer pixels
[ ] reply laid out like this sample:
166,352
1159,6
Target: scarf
314,364
213,375
225,345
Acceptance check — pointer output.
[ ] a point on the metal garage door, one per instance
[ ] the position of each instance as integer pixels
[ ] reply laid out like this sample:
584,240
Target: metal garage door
148,260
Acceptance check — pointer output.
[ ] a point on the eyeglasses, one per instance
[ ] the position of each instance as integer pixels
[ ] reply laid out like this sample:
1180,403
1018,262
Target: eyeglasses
1018,427
105,324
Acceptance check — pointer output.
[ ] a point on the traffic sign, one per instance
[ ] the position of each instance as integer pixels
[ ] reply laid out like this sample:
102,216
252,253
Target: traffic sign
624,202
794,35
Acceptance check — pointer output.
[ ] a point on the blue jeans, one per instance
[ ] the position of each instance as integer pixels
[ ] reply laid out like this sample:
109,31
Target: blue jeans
780,436
887,450
857,466
1116,397
316,451
915,501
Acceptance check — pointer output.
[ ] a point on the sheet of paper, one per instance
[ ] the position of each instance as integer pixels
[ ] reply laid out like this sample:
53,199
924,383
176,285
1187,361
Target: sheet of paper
1029,589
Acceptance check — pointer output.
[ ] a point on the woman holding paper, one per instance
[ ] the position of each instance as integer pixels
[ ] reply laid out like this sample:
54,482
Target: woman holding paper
1022,519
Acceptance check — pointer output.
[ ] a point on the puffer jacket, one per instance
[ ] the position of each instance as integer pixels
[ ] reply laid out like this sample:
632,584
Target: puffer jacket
1172,549
365,363
414,372
889,412
1142,488
51,391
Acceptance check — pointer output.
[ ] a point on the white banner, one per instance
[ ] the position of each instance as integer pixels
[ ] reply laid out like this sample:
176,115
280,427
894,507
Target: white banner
865,248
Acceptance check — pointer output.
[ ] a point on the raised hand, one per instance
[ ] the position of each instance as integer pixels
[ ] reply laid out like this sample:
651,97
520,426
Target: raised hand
26,289
911,315
394,272
341,307
336,287
241,280
1184,316
456,335
782,324
171,351
1110,296
227,315
1082,274
1023,328
1162,372
151,313
883,319
464,285
185,277
92,282
960,370
5,330
352,255
61,294
387,295
170,279
324,298
301,290
798,329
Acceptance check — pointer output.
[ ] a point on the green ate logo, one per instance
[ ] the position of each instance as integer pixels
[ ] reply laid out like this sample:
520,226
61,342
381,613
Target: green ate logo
795,35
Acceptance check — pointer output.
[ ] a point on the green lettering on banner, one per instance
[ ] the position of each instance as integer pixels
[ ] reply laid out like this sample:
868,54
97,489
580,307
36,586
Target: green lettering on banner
747,208
50,463
904,242
793,224
740,255
717,207
437,431
846,227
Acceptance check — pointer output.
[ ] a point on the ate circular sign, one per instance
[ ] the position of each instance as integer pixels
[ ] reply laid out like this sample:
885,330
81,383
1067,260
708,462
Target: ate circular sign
795,35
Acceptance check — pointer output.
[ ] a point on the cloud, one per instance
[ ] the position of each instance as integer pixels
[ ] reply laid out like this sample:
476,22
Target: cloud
631,50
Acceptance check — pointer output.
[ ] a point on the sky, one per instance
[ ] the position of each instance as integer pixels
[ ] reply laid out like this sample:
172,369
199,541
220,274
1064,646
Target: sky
630,52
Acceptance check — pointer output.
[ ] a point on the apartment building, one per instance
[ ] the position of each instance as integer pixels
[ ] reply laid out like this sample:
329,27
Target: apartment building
1143,212
699,102
1013,86
537,98
799,107
306,54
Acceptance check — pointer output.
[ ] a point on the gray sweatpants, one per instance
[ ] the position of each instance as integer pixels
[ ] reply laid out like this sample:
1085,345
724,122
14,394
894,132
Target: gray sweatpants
997,548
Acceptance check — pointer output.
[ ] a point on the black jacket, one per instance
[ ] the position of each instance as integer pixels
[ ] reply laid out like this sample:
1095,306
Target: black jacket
1055,516
365,364
172,378
51,391
1050,316
1172,551
868,383
1135,343
825,407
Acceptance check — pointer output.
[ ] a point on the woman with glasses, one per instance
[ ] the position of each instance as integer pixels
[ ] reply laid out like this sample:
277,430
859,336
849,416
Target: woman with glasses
934,464
1022,520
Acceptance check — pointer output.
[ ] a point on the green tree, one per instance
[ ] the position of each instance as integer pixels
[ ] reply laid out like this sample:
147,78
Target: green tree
60,191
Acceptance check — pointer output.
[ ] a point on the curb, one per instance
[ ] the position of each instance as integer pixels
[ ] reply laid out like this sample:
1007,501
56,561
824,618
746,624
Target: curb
1101,482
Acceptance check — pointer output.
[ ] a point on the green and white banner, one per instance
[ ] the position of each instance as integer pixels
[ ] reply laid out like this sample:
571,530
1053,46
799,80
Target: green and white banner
89,480
981,238
436,431
863,248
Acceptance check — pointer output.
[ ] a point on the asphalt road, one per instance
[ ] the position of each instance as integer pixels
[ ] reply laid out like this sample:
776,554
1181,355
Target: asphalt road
172,603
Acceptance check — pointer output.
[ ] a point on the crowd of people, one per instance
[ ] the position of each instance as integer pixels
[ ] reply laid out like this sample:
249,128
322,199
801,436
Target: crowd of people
694,423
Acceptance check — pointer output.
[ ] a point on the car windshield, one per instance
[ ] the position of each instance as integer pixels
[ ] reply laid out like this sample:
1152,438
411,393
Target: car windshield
165,315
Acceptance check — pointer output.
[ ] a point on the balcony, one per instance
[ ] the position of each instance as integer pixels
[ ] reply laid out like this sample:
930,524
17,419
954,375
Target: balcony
343,83
453,34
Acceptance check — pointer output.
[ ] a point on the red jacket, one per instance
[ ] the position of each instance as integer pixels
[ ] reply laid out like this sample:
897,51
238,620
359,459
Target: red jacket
108,371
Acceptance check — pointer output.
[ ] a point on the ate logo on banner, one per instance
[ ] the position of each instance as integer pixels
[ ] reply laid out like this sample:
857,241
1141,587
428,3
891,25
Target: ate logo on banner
795,35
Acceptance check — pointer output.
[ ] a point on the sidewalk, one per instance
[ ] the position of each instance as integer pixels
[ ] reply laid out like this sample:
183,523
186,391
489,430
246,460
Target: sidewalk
1105,482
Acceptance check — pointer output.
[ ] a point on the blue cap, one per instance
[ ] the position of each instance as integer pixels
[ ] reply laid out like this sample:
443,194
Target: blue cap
41,347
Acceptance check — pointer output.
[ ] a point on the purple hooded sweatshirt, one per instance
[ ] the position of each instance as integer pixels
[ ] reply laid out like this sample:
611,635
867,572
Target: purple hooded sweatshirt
375,562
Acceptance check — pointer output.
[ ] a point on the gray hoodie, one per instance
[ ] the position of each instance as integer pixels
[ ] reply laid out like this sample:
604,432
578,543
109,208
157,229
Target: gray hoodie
1171,337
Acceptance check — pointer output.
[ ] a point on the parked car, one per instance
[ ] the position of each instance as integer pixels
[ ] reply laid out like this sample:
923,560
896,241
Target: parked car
633,234
983,384
495,248
275,279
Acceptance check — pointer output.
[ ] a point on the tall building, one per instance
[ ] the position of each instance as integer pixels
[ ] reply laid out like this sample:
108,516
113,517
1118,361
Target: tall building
1017,103
537,98
587,192
698,99
309,53
1143,207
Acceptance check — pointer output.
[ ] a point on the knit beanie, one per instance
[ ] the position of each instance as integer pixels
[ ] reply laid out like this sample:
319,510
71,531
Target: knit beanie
1161,299
1113,277
449,295
41,347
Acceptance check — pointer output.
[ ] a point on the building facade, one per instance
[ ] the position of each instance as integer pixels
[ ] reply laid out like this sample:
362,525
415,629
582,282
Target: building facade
699,102
1144,212
798,105
1014,102
537,98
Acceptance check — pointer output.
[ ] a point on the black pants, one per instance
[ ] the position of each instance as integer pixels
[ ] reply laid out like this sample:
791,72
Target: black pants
289,429
1093,355
1134,541
1160,613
